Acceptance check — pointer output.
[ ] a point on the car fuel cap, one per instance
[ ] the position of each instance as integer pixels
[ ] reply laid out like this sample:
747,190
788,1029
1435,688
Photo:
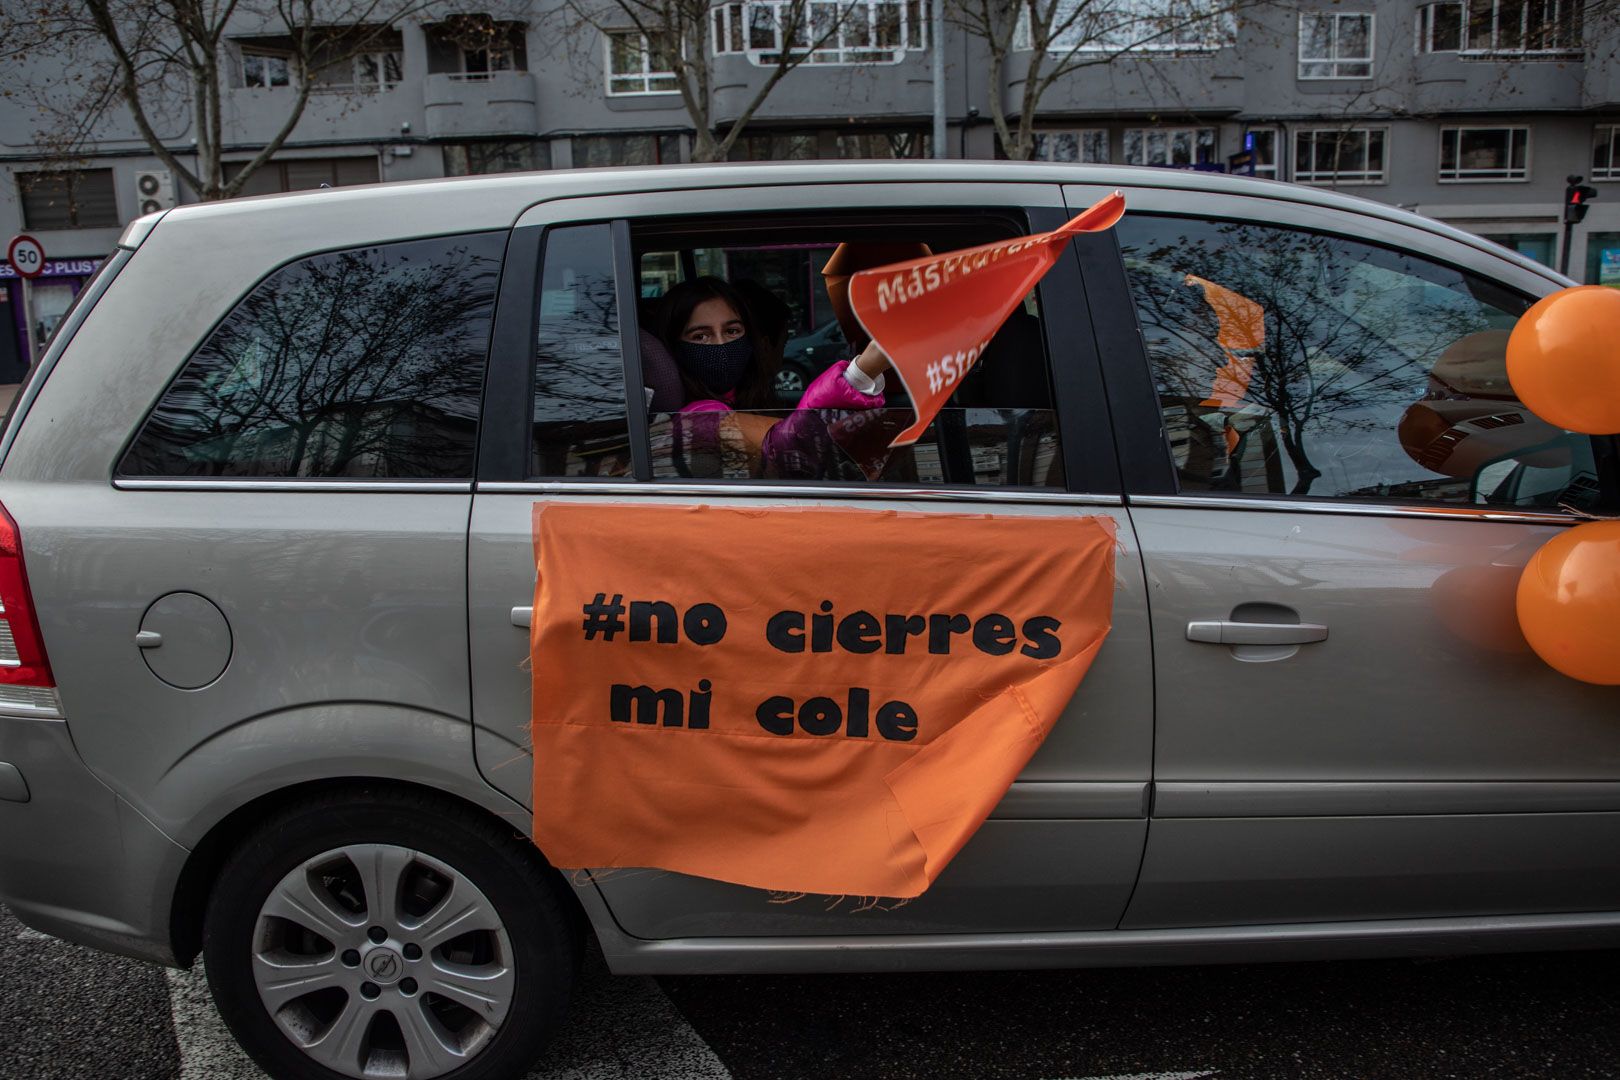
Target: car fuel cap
185,639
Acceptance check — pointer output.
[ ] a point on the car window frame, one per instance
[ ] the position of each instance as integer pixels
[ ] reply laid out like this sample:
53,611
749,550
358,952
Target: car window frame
1145,453
1086,440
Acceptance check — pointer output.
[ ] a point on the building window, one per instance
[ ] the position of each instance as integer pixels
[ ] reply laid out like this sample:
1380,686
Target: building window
633,67
377,69
1440,27
1603,259
74,199
777,146
1089,147
1115,26
1340,155
480,158
1606,152
1541,246
826,31
1262,143
487,60
596,150
1179,147
265,70
277,176
883,145
1468,154
1523,26
1335,45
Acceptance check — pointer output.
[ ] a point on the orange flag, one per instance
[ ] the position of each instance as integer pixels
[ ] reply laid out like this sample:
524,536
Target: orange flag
935,316
718,692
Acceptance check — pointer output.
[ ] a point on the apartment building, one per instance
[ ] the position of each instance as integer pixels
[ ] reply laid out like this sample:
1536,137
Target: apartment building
1471,111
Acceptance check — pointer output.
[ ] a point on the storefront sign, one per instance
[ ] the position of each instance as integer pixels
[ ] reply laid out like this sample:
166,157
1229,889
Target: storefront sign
55,268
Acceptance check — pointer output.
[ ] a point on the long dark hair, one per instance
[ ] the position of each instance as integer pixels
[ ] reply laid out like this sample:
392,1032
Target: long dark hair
757,390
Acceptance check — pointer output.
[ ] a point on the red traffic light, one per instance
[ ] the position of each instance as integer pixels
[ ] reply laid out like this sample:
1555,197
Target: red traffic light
1576,197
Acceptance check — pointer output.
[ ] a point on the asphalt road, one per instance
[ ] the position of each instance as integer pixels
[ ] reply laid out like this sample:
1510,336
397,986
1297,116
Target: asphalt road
67,1012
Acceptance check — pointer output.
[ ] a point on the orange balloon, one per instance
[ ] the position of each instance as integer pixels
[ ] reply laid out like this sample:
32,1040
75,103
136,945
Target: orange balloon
1563,359
1569,602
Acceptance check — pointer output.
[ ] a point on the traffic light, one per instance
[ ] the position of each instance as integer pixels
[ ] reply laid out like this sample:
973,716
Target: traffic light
1576,197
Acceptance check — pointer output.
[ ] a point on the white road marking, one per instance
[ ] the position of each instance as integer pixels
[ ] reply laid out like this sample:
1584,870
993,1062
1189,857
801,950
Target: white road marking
618,1028
1155,1076
30,934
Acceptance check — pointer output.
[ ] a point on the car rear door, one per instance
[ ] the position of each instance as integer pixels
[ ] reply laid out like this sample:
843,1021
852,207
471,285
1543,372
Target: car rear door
1335,492
1063,850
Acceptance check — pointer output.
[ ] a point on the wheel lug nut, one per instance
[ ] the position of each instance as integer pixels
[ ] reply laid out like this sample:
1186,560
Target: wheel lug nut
413,951
351,958
369,991
377,934
407,986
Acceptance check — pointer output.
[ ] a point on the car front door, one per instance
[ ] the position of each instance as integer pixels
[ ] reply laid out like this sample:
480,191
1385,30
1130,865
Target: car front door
1335,494
1064,848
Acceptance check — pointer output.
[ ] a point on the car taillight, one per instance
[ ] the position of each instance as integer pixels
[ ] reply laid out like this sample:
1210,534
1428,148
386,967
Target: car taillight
25,674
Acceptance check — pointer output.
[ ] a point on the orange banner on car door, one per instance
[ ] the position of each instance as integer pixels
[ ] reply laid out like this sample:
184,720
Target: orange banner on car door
934,316
826,701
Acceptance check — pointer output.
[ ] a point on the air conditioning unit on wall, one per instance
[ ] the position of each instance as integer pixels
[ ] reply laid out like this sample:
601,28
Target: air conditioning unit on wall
154,190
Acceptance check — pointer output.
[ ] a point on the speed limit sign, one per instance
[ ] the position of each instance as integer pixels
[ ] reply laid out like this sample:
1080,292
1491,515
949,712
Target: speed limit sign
26,255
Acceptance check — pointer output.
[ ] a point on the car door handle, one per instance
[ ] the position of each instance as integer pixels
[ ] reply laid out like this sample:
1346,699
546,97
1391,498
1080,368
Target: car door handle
1225,632
523,616
148,639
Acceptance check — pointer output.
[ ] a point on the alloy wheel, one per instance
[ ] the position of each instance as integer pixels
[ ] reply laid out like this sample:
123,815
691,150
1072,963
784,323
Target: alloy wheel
380,961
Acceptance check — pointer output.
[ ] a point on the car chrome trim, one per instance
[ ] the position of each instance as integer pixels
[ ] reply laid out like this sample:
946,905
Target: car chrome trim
1465,513
1222,799
1105,948
776,491
272,484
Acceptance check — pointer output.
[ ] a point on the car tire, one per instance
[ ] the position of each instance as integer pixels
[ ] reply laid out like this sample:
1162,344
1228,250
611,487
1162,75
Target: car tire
460,968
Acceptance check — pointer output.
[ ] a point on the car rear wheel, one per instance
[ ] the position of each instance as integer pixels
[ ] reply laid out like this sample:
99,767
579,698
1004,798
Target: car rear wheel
389,934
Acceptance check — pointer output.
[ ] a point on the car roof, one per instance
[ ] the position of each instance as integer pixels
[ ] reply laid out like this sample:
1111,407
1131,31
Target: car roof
496,201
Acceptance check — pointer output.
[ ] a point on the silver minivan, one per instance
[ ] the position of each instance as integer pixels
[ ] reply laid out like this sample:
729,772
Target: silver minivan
265,557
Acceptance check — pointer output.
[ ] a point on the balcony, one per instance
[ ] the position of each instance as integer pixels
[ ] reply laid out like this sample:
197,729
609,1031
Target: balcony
808,91
1205,82
1449,82
495,103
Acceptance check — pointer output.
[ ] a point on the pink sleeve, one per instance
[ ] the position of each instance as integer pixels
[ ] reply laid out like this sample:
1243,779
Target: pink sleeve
830,390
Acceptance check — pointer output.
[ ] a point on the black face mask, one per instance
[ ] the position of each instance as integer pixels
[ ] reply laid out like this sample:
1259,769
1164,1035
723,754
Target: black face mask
718,367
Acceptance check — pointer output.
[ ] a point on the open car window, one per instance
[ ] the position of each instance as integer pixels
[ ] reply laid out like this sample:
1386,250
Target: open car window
999,429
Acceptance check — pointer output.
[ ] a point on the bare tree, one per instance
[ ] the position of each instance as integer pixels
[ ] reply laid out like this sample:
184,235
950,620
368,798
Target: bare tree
168,60
681,37
1060,37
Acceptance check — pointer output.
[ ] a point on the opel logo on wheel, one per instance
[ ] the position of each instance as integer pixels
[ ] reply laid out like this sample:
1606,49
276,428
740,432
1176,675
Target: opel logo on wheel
383,966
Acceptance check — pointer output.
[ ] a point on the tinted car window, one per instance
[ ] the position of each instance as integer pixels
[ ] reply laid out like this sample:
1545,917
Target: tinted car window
1291,362
580,424
360,363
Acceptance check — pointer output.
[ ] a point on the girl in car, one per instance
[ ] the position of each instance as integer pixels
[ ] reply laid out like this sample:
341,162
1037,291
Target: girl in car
723,358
